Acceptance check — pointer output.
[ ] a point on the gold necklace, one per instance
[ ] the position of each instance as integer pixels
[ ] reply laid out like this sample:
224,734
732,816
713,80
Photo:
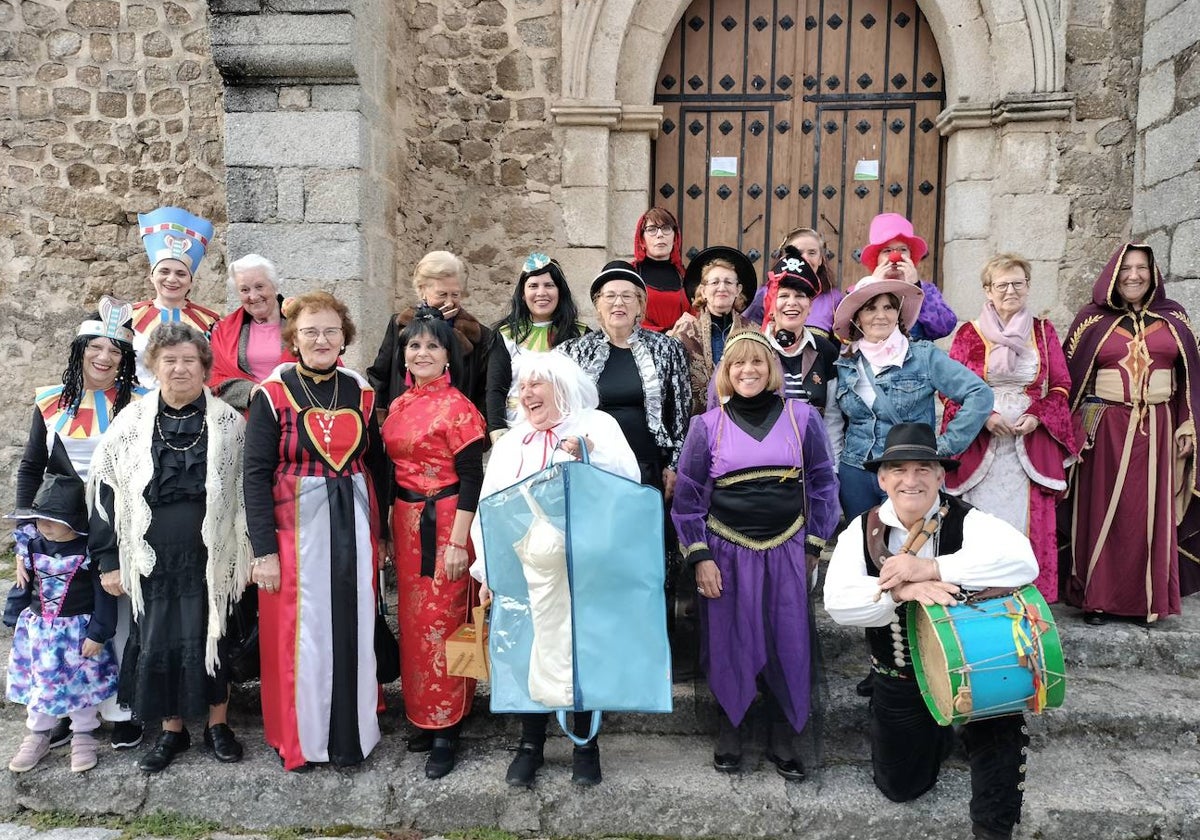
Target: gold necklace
324,416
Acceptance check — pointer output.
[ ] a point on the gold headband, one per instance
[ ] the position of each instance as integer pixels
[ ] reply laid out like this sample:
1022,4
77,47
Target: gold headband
749,335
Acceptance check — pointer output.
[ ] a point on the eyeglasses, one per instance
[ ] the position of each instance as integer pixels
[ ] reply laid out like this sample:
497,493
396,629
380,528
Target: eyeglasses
609,298
312,333
1015,285
655,230
721,282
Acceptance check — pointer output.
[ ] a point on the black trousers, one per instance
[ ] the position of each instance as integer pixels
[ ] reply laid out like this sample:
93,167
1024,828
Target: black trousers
908,748
533,726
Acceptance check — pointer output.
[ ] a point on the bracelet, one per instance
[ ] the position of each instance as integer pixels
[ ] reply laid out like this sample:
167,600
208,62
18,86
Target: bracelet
258,561
453,544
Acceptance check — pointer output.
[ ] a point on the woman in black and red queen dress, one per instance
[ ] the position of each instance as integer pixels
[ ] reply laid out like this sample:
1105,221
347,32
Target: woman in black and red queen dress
657,245
313,460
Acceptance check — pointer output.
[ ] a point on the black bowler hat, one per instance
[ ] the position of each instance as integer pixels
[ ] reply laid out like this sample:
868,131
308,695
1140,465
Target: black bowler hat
617,270
910,442
60,499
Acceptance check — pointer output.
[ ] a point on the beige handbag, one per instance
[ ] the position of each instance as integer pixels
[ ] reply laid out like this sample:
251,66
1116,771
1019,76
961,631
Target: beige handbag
466,649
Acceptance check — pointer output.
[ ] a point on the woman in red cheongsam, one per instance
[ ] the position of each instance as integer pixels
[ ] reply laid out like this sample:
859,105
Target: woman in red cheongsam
435,439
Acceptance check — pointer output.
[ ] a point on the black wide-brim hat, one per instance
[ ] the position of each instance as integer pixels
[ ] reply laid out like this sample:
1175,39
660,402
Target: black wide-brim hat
910,442
61,499
742,266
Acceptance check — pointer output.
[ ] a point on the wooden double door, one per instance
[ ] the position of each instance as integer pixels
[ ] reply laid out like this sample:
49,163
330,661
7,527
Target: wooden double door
800,113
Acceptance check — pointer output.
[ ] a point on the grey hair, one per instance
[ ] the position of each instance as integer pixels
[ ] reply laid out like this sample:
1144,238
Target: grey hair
174,333
253,261
574,391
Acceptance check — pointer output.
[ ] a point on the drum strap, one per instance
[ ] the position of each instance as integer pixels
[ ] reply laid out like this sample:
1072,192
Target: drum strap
949,534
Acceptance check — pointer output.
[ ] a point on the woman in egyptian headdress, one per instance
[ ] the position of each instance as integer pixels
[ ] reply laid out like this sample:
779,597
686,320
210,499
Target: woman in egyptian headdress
68,420
175,242
1134,364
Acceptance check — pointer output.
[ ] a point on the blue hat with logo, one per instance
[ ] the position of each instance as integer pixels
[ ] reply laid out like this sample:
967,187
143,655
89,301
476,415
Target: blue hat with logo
170,233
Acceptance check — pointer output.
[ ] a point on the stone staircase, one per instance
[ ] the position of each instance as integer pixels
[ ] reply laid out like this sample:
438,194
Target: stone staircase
1120,761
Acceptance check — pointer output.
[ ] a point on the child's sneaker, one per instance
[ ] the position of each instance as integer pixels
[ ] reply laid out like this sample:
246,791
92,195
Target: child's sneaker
83,751
32,750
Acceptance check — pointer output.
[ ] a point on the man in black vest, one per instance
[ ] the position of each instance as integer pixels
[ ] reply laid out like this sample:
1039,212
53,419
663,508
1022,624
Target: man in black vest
873,575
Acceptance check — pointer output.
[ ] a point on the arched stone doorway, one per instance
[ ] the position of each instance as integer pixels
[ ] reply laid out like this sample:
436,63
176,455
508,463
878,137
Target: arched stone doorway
800,114
1003,65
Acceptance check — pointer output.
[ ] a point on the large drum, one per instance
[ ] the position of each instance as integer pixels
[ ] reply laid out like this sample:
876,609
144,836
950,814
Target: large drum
986,658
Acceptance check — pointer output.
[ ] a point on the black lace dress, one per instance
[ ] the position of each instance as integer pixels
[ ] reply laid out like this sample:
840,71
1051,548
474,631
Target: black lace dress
162,672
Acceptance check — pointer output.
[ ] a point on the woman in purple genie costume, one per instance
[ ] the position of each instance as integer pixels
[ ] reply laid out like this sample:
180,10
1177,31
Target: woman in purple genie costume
756,498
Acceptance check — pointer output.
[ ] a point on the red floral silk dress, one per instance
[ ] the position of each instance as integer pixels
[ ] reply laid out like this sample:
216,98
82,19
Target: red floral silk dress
426,427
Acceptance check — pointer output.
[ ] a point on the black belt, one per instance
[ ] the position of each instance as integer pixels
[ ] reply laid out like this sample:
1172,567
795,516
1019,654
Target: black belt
428,525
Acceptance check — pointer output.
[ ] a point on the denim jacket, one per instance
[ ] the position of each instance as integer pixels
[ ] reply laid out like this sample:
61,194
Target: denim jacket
910,389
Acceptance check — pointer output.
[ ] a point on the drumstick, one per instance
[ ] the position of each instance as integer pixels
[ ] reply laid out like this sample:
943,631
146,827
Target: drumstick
918,535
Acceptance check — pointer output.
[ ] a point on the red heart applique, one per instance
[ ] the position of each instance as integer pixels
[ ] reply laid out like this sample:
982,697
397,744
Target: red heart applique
335,435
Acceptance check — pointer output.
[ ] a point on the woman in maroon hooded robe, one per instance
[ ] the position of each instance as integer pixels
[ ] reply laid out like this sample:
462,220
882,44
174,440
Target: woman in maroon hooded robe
1134,365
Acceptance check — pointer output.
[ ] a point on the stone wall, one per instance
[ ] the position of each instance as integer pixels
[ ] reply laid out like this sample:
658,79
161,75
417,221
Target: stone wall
1166,204
106,109
1095,157
482,165
310,145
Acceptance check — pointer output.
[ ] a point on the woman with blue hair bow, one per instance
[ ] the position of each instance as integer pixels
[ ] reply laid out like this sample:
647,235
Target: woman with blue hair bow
542,316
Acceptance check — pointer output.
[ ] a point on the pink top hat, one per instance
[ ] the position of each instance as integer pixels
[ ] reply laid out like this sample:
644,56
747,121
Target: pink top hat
889,226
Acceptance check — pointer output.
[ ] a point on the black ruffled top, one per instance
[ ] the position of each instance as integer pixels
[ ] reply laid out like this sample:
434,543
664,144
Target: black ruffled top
180,450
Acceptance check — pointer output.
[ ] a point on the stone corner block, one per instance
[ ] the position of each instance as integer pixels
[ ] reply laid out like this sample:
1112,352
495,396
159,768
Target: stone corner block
326,139
333,196
303,252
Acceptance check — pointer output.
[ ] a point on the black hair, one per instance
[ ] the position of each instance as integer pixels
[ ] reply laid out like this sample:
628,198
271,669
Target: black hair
72,378
564,323
428,320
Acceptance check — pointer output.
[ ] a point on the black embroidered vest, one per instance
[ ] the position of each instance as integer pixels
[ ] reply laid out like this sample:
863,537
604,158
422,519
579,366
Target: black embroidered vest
889,646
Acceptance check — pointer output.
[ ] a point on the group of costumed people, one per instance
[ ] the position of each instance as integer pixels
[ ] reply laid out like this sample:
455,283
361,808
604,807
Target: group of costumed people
187,456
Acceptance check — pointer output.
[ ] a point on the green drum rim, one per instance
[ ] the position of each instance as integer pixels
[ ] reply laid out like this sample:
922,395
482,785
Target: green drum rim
951,649
1054,665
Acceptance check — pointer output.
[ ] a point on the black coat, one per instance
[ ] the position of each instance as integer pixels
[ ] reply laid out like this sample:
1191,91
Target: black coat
386,373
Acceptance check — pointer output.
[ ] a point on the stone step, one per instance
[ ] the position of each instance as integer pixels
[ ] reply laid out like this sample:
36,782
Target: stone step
653,785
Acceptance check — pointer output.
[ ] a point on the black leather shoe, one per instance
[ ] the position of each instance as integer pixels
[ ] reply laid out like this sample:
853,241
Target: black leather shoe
441,757
421,741
585,765
791,769
727,762
220,739
524,767
1094,618
166,747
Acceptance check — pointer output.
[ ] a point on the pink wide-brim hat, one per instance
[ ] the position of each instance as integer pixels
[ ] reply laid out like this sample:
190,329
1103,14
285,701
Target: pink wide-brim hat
911,298
886,227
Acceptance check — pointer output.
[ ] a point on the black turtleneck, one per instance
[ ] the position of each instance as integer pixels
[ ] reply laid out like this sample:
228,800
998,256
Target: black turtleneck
755,415
660,274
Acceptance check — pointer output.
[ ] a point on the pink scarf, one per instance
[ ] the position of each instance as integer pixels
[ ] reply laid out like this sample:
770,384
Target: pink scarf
1009,341
890,351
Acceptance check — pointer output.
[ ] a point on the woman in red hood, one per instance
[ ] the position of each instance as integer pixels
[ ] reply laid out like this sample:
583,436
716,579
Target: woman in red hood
657,243
1133,360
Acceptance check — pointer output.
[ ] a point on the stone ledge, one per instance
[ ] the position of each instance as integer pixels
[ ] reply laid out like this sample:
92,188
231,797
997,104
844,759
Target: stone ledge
652,785
285,64
1013,108
577,112
282,29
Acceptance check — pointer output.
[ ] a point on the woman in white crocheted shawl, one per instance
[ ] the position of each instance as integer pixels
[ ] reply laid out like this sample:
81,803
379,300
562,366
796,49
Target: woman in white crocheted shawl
168,527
